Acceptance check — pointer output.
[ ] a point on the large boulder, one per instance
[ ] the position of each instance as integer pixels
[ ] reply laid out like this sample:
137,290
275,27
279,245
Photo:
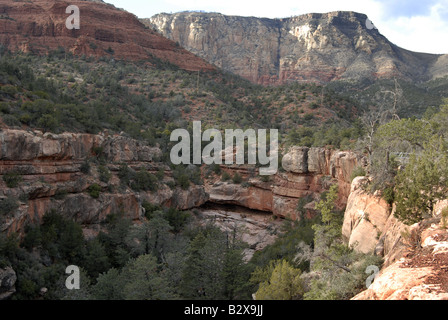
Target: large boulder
365,218
296,160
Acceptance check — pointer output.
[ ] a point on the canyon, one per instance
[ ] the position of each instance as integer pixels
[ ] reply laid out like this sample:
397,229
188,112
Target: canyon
50,167
309,48
52,177
315,47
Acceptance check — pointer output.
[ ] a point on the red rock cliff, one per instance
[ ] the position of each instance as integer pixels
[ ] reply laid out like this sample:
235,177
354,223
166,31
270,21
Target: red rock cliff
39,26
52,178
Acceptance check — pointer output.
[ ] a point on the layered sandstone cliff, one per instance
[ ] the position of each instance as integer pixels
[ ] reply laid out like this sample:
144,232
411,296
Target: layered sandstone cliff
415,257
306,173
52,177
50,167
39,26
310,47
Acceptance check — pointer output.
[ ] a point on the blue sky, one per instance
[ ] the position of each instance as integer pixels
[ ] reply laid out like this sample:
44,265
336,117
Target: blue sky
414,25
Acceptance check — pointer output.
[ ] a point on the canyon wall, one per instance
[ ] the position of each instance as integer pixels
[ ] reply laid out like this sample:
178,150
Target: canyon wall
311,47
39,26
50,167
415,257
305,173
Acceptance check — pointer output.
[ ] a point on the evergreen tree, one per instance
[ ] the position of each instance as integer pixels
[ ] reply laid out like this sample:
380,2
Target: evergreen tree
284,283
423,182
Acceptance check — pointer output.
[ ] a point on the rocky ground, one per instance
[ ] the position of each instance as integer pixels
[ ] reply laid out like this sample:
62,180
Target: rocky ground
415,257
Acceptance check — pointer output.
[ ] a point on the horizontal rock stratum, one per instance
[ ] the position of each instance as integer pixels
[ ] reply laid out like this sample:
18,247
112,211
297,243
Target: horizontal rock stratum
39,26
311,47
307,172
50,167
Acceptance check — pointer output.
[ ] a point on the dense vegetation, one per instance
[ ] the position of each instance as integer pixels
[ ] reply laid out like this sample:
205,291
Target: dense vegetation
171,255
410,163
60,92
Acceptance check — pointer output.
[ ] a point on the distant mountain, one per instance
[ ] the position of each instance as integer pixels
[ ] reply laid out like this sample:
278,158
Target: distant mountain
39,26
310,47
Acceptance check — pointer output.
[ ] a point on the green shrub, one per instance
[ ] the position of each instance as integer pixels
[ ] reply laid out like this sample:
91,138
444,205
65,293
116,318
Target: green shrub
308,117
177,219
216,168
183,181
160,174
8,205
389,195
85,167
104,174
144,181
150,209
125,174
11,120
95,191
225,176
48,122
12,179
314,106
237,179
110,51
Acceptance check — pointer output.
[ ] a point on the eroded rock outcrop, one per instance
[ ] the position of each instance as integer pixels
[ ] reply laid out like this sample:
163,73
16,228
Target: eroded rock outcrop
50,167
365,218
311,47
422,274
307,172
415,258
39,26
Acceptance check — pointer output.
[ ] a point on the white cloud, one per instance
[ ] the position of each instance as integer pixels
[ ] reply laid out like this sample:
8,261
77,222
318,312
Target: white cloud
419,33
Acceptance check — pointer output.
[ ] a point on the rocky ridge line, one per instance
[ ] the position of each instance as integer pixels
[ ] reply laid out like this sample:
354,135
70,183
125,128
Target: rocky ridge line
308,48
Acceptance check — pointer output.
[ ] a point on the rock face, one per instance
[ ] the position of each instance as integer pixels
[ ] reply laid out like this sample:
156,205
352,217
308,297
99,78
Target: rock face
50,167
310,47
52,177
8,280
415,257
365,218
422,274
258,230
370,225
39,26
307,173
